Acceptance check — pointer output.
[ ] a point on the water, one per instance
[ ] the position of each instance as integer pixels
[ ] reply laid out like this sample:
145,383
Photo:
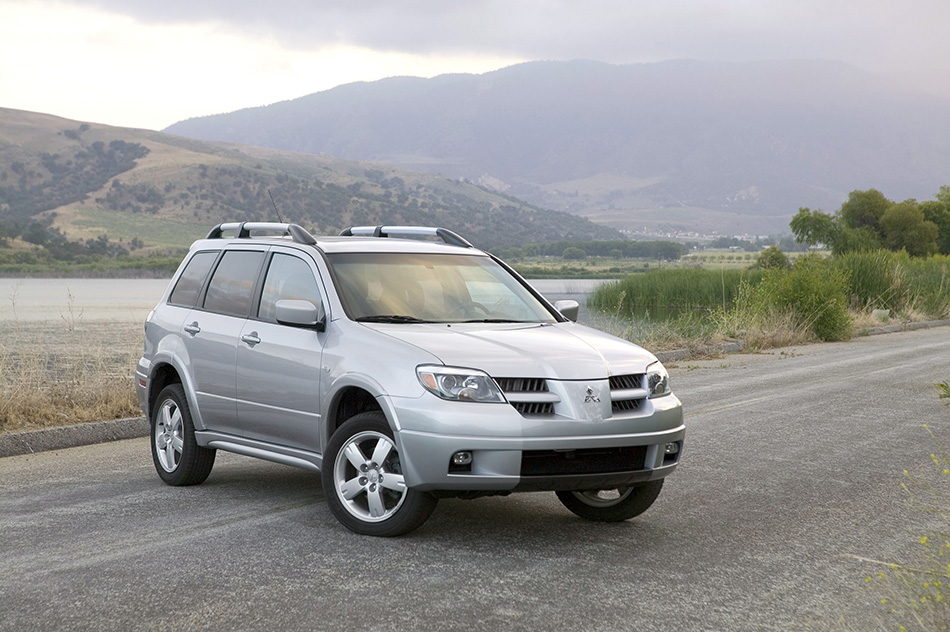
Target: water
130,300
70,300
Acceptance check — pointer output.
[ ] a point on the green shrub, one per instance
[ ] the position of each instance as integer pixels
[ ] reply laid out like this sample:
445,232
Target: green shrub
772,258
814,294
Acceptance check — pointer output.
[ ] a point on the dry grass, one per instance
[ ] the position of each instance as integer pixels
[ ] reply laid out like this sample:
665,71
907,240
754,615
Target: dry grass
56,373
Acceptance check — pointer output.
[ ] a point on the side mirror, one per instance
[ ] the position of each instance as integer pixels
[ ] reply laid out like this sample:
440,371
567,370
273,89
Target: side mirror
568,309
297,313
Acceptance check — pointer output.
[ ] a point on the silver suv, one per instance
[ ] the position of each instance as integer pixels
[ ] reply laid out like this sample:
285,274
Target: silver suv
406,366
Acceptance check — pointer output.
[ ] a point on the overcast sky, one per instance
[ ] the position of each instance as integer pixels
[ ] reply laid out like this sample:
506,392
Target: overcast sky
150,63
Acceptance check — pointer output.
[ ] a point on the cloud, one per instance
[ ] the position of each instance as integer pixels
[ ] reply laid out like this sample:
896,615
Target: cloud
147,63
872,31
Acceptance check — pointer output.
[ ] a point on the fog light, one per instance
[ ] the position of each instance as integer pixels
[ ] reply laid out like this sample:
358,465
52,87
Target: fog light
671,448
462,458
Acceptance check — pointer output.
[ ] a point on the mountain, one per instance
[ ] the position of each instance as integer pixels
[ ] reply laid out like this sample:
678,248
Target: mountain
150,189
679,144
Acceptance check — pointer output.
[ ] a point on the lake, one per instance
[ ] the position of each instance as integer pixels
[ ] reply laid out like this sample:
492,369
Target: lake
130,300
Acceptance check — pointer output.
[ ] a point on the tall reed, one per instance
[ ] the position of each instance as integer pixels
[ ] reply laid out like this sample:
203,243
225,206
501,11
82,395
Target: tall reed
671,288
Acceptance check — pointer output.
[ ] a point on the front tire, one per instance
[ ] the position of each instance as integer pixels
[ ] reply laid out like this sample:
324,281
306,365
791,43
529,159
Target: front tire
178,458
612,505
363,482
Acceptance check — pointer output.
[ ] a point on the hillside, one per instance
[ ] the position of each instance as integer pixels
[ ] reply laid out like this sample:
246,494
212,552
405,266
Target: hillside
152,190
680,144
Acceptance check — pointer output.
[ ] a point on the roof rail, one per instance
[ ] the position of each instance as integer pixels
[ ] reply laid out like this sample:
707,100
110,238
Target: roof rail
446,235
243,230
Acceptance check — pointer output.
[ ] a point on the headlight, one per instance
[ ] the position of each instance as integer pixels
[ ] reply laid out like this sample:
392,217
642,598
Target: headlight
658,380
460,385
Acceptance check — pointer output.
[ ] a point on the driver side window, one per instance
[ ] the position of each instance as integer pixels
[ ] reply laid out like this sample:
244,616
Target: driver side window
287,277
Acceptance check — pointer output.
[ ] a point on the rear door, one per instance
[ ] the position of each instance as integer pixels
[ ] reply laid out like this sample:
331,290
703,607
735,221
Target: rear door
278,366
211,333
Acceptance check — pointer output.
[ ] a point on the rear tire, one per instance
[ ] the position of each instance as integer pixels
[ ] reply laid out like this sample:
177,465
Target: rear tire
178,458
363,482
612,505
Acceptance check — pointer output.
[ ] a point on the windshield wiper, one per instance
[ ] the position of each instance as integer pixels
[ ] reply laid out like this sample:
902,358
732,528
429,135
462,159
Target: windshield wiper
389,318
495,320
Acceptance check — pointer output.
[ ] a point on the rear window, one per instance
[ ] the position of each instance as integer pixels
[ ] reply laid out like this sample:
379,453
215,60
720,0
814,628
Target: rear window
232,285
191,279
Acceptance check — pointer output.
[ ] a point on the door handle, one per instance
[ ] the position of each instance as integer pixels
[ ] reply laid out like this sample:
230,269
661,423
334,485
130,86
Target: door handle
192,328
251,338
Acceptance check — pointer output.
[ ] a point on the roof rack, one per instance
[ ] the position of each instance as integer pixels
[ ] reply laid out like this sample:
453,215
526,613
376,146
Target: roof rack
243,230
446,235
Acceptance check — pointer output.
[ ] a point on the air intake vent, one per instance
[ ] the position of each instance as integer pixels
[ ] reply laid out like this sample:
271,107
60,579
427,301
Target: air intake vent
536,408
519,391
625,405
522,384
627,392
624,382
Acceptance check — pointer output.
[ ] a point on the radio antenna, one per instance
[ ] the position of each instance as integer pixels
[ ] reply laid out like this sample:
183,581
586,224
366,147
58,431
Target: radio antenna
276,210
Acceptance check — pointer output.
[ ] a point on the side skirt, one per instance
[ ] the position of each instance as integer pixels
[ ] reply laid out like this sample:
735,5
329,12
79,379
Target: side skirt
259,449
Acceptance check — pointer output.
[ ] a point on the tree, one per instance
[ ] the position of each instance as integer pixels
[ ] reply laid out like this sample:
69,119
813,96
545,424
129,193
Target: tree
573,253
772,258
864,209
814,227
905,228
864,239
938,212
35,234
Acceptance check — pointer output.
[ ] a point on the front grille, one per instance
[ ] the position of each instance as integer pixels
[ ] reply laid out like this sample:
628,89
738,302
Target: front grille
534,408
625,383
526,385
622,405
621,382
584,461
522,384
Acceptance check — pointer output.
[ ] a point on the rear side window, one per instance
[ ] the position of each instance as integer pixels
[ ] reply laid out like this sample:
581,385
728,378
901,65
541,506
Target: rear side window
232,284
191,279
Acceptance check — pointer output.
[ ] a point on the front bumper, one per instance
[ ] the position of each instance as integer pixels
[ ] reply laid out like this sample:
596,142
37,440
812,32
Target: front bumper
515,453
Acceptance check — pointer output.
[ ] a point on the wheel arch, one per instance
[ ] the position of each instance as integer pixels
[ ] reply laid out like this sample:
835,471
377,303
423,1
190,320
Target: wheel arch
162,375
167,371
350,400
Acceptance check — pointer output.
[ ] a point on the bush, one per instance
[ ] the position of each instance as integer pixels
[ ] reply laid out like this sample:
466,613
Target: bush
814,294
772,258
876,280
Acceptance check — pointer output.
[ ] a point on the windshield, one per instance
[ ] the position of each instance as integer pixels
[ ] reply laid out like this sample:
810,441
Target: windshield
433,288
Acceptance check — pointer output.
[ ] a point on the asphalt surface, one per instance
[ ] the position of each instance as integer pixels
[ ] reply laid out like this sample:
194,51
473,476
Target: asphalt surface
791,472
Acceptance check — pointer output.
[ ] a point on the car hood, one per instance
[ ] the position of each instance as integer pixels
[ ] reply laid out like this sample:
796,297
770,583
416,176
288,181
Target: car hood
564,351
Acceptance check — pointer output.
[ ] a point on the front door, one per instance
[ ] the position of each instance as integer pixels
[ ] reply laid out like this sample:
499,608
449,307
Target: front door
278,366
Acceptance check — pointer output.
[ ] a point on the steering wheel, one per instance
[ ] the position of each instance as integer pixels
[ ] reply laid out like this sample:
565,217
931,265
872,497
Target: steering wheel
462,308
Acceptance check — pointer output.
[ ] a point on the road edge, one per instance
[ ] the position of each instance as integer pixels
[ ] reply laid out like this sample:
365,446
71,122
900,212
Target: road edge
62,437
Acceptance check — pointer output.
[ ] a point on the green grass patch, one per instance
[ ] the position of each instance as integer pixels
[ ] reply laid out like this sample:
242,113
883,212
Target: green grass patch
151,229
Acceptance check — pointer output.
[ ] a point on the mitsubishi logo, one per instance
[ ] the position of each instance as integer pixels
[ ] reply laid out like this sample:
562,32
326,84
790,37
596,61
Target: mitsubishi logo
591,398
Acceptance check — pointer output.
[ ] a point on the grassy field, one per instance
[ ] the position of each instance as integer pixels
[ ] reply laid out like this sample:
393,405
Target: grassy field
56,373
160,232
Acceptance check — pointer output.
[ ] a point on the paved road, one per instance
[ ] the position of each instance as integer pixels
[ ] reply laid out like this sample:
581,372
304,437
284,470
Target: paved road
793,466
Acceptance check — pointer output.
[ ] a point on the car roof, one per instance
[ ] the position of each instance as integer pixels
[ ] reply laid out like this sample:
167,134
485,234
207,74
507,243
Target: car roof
395,239
389,244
